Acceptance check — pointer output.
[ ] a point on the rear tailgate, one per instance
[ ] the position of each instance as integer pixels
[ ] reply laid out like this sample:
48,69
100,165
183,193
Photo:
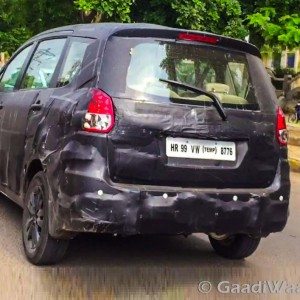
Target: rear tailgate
137,147
160,130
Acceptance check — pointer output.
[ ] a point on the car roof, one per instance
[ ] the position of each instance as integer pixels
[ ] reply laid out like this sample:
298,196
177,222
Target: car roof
106,30
97,30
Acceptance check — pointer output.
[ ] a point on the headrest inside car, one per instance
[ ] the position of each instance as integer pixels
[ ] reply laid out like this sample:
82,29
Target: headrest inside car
217,88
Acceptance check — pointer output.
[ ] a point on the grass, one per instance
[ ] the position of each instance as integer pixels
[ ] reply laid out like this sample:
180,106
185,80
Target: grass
294,124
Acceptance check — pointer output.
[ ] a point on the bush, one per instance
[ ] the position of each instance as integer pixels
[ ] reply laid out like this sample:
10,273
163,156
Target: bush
279,72
10,41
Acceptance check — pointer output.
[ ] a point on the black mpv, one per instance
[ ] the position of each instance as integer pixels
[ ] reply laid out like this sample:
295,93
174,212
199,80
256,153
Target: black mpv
141,129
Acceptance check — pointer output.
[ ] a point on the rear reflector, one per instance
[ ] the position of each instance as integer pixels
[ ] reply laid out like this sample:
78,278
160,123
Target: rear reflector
100,114
198,38
281,130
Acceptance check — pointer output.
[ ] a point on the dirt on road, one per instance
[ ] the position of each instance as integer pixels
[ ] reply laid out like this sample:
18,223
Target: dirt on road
144,267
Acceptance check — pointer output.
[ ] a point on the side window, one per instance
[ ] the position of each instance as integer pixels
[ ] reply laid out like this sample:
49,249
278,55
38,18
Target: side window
73,60
43,64
12,72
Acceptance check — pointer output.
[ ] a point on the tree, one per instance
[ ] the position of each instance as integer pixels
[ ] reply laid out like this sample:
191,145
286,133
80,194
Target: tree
154,11
270,22
41,15
282,7
104,10
276,31
21,19
218,16
254,11
12,39
12,31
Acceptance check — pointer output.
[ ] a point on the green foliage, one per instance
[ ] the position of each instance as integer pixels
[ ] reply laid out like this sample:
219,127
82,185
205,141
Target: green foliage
276,31
290,34
154,11
218,16
11,40
41,15
271,23
105,10
282,7
12,31
20,19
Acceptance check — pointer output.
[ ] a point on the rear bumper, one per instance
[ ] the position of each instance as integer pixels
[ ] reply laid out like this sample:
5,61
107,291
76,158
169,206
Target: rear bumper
105,207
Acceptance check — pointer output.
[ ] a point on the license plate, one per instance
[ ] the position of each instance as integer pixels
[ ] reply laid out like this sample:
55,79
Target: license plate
200,149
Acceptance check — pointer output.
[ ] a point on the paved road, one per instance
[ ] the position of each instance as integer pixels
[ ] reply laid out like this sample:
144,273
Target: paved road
145,267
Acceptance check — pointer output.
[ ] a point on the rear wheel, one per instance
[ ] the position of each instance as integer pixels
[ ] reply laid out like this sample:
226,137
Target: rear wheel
237,246
40,248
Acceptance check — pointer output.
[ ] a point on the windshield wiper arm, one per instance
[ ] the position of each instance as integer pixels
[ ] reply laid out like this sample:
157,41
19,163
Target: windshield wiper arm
213,97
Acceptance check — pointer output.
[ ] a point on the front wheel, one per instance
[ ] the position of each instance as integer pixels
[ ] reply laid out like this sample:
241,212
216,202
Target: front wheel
40,248
237,246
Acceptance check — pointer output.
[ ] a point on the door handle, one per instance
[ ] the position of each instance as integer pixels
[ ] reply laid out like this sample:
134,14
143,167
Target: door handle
36,107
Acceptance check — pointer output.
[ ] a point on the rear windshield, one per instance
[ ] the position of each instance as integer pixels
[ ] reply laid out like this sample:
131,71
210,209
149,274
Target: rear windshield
134,66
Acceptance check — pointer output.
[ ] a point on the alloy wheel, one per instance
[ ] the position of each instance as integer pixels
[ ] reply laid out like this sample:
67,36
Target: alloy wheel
34,219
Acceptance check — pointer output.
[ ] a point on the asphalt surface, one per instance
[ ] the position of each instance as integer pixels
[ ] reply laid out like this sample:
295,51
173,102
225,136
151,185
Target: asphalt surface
144,267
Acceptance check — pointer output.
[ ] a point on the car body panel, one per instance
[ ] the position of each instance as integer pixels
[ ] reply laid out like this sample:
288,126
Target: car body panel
80,166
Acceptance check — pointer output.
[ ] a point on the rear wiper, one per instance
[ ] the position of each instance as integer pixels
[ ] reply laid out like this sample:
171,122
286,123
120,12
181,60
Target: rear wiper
213,97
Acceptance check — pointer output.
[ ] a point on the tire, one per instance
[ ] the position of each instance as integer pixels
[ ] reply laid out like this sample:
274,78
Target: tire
40,248
238,246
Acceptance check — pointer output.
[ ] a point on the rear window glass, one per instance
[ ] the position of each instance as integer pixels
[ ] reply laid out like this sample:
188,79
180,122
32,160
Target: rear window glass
139,64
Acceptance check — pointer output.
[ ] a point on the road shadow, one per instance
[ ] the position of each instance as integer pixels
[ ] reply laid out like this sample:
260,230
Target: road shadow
150,250
109,267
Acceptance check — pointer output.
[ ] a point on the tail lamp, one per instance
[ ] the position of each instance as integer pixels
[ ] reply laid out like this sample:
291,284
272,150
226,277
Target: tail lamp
198,38
100,116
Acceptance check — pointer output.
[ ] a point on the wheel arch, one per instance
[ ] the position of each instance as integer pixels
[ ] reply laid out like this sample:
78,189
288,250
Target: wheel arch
34,167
